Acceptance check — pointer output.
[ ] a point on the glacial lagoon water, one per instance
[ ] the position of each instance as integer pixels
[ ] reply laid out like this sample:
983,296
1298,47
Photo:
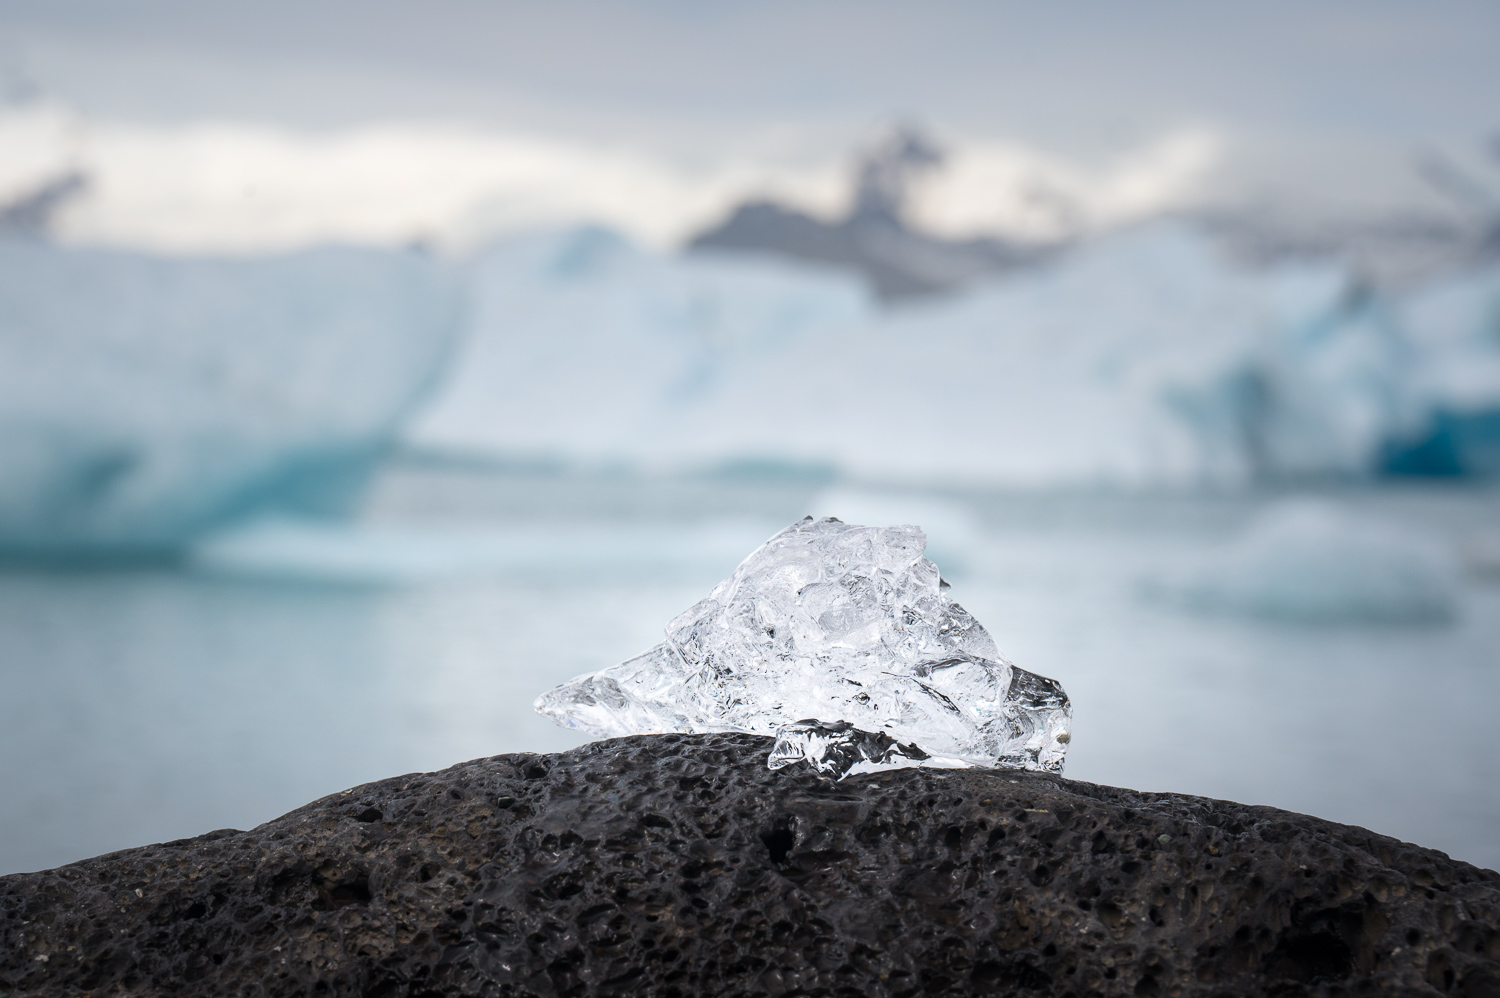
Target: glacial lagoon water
146,703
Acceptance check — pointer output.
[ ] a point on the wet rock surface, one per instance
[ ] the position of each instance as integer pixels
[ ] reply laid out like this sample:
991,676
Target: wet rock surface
680,865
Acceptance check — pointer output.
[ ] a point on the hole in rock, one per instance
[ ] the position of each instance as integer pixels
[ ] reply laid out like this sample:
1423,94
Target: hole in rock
355,891
368,815
779,842
1318,956
1149,984
563,886
1440,972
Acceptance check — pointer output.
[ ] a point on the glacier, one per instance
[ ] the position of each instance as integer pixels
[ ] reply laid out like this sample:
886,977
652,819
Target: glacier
1146,358
146,399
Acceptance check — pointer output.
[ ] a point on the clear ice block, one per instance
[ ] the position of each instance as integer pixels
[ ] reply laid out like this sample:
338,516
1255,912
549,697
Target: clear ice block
838,748
841,640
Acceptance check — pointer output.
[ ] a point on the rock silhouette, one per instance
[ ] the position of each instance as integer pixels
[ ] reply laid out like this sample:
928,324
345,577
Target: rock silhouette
680,865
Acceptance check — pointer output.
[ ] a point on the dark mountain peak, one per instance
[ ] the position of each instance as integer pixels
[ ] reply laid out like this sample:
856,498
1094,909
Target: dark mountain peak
873,238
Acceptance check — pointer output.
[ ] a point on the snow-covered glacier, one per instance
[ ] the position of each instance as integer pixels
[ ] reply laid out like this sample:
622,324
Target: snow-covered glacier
145,399
1148,357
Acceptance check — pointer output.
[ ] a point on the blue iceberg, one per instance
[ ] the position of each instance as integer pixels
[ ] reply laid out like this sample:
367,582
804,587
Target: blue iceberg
1146,358
1454,327
145,400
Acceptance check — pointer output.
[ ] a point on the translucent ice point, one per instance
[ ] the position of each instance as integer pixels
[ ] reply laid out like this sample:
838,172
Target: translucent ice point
843,642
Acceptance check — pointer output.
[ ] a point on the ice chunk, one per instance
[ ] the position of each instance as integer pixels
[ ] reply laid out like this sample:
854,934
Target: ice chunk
953,529
832,622
838,748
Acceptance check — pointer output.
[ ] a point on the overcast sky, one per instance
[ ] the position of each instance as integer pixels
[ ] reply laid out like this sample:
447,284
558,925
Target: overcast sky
1078,72
656,116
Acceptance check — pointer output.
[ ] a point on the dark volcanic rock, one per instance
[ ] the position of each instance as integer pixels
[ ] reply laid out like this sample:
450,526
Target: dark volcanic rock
679,865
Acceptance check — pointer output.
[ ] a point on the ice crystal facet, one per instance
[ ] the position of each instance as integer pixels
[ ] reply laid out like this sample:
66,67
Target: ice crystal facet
843,641
838,748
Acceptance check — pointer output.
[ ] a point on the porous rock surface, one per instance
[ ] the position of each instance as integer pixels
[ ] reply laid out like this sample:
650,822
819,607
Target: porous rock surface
680,865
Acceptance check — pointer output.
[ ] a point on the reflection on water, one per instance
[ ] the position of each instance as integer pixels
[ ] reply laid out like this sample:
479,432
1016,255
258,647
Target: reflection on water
141,705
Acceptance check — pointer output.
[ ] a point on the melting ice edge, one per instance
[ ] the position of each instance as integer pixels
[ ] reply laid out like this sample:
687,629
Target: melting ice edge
842,641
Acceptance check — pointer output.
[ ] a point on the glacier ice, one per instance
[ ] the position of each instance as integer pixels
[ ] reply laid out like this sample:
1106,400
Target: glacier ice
841,640
582,346
1147,357
145,399
1454,327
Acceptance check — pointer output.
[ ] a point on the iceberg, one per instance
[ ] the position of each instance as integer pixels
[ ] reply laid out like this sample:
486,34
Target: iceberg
843,642
1454,328
584,346
1144,358
146,399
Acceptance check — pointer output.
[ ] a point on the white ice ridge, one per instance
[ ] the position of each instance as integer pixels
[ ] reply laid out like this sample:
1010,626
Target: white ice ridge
843,642
145,400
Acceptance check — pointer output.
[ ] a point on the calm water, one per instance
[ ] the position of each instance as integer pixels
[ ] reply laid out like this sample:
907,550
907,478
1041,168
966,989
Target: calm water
138,705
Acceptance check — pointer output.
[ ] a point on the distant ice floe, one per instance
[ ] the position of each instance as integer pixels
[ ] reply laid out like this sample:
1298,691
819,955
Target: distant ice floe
351,553
145,399
1313,561
1143,359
